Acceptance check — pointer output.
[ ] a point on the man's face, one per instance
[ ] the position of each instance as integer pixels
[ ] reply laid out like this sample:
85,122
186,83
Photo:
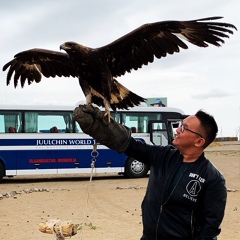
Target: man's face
191,133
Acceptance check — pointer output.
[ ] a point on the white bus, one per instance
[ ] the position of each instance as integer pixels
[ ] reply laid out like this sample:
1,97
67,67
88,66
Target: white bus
46,140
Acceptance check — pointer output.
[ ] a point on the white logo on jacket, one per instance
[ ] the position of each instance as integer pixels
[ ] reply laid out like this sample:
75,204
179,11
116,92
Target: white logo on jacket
193,187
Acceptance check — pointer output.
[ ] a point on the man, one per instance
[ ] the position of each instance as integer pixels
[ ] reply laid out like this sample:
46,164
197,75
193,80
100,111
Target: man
186,194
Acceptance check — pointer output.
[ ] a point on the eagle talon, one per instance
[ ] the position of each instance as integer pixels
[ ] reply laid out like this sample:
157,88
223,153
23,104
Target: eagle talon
108,115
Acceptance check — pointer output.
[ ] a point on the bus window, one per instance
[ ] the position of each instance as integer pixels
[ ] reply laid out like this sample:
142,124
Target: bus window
159,133
10,122
47,122
139,120
31,122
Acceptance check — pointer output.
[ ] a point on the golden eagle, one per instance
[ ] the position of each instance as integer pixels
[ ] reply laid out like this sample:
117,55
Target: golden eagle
97,68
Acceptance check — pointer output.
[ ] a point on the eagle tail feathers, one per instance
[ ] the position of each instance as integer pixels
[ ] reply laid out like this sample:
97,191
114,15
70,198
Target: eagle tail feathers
121,97
128,98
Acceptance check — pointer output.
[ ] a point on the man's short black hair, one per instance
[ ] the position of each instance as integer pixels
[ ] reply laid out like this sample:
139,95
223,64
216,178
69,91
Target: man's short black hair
209,125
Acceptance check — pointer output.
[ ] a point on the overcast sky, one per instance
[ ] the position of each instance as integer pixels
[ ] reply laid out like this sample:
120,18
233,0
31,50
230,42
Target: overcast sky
197,78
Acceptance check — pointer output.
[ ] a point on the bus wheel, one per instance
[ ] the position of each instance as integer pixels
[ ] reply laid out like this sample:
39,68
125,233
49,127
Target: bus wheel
135,169
2,171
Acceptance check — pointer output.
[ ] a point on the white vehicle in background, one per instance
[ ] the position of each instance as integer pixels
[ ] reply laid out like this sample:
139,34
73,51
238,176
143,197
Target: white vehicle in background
46,140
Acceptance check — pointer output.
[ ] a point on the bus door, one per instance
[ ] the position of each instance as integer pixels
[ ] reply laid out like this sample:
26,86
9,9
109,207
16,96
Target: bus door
159,132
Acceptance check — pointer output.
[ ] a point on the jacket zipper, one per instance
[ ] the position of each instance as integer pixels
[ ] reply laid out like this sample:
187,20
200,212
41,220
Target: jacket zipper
192,228
162,204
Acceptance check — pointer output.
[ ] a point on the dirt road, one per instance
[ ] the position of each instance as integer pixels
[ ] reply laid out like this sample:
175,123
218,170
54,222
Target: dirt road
110,205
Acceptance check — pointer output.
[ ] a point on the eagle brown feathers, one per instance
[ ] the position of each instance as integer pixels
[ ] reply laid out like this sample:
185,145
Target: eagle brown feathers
97,68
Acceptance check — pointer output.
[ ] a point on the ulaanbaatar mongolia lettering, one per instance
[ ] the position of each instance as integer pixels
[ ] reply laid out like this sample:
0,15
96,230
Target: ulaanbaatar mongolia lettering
43,160
53,160
42,142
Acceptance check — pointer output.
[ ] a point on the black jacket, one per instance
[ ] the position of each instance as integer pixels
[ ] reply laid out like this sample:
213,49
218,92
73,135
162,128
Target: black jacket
193,209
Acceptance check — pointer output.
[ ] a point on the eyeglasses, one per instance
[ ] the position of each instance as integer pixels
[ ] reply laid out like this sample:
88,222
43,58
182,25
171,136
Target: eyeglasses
183,127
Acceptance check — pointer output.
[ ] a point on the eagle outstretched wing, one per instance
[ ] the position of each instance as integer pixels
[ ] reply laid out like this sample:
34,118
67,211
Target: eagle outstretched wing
97,68
140,46
34,63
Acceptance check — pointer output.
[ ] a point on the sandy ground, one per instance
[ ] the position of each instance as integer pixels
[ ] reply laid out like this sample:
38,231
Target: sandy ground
109,205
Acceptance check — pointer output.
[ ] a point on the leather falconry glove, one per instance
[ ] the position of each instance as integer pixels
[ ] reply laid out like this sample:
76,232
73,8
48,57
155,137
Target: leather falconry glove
93,122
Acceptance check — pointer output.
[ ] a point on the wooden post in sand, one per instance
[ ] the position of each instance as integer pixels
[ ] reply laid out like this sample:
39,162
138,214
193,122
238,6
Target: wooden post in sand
60,229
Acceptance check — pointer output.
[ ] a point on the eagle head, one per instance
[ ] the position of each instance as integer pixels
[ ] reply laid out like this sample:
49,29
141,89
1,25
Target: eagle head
73,47
68,46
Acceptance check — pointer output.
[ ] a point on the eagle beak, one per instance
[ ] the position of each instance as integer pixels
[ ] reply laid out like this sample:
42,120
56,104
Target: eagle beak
62,46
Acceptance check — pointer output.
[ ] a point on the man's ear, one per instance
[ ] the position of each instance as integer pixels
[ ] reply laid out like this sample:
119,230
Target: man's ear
200,142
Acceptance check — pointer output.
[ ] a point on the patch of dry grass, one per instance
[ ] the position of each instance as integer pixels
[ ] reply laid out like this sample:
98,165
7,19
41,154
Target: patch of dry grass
215,144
